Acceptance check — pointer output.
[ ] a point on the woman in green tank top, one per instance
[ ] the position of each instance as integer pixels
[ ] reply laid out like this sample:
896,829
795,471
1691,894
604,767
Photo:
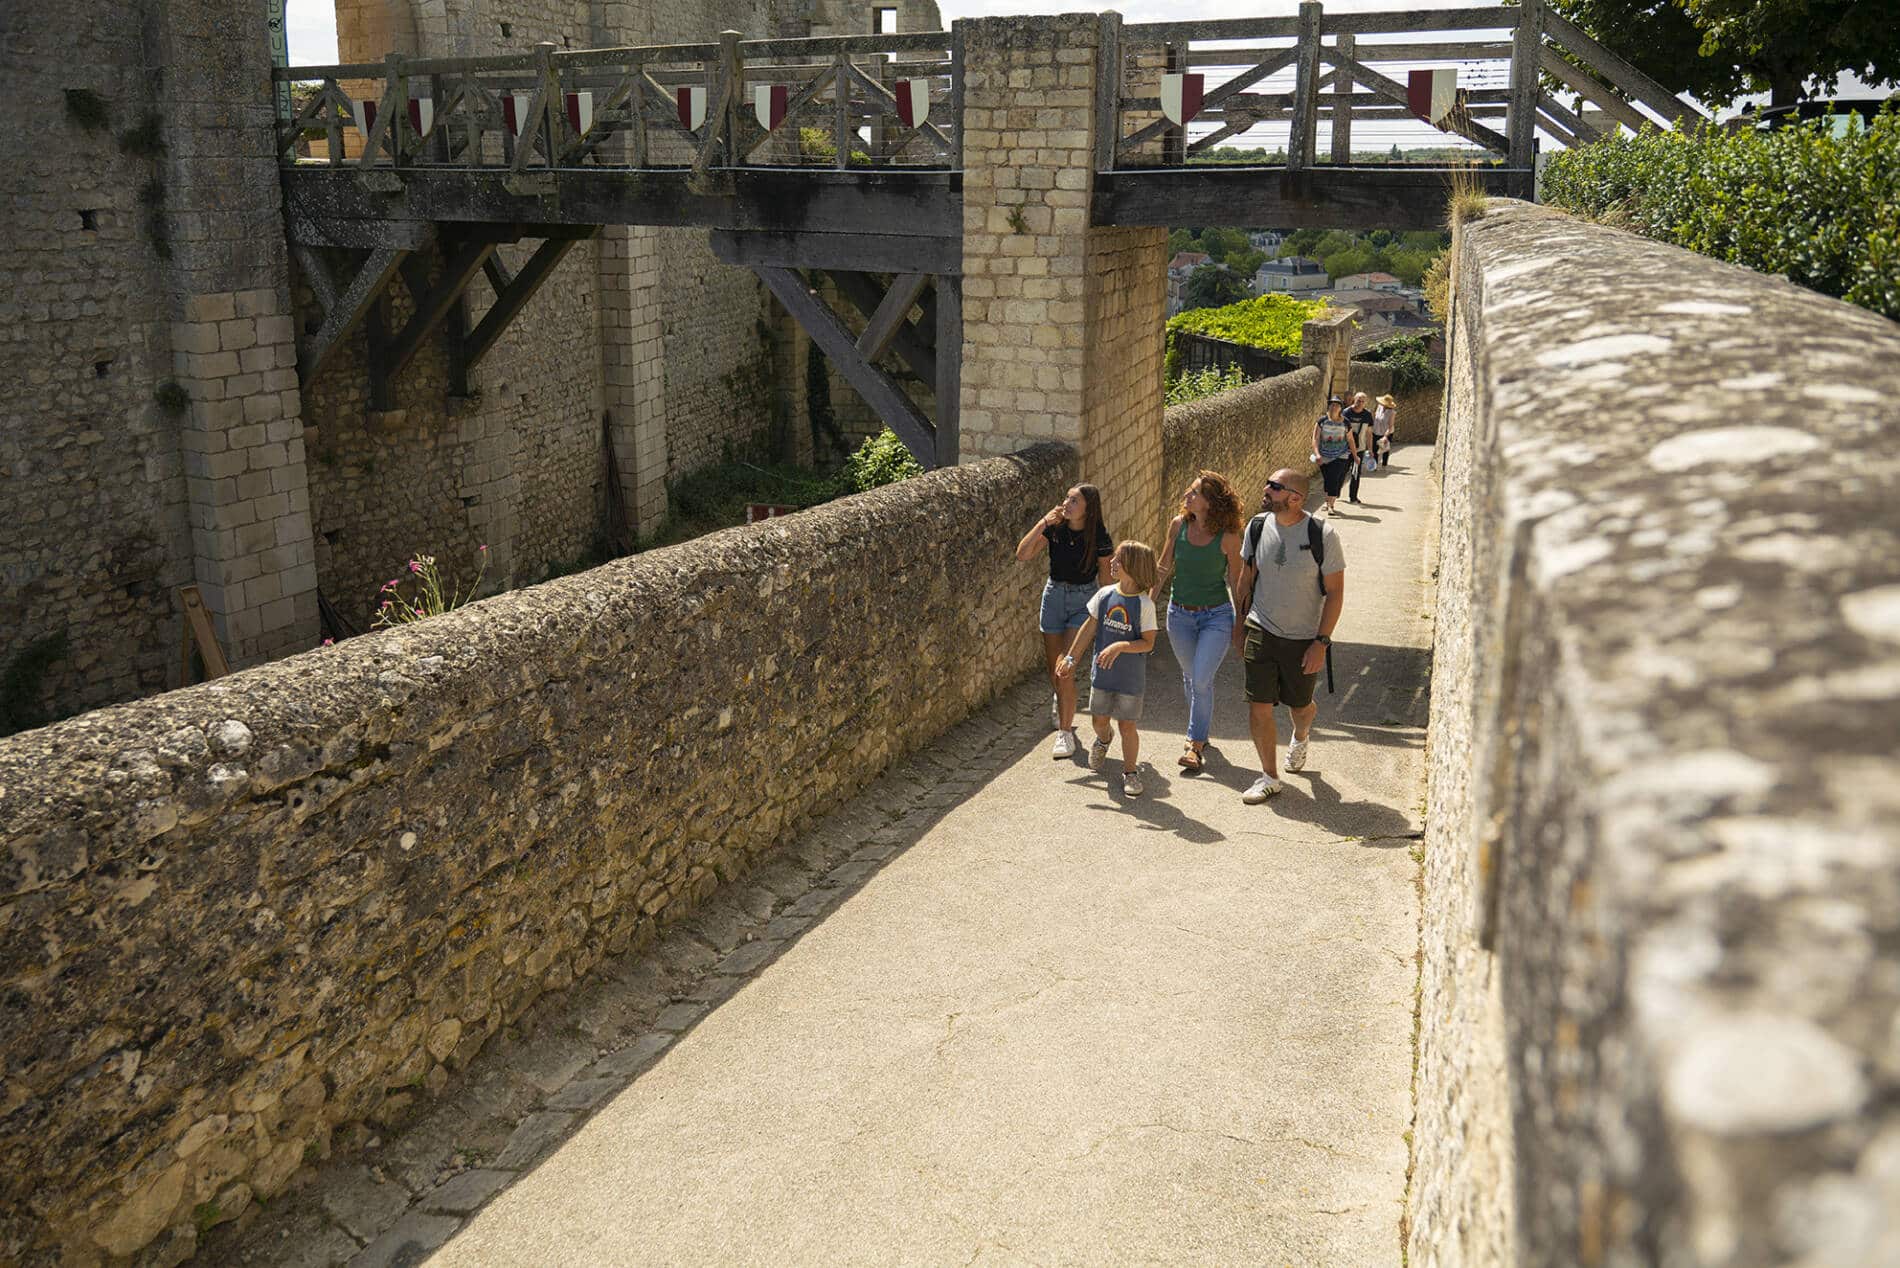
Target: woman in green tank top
1202,555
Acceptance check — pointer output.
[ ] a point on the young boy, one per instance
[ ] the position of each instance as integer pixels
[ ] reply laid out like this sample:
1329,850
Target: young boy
1121,632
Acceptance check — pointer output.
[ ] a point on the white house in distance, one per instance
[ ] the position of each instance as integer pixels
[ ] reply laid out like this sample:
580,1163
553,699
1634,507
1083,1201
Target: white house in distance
1369,282
1290,274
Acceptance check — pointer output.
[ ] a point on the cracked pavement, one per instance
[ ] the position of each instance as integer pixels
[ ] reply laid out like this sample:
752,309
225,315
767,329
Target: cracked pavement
990,1011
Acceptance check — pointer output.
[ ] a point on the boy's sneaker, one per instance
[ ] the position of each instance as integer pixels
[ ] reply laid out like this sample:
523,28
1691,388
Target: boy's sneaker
1098,753
1263,788
1296,755
1065,744
1131,783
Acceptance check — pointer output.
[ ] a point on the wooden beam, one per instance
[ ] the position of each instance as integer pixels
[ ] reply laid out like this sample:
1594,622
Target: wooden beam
879,390
512,300
1619,72
910,343
1151,33
317,273
1390,197
1580,132
859,252
903,203
1239,83
1553,61
1300,141
1342,105
351,306
1108,88
1521,124
948,326
1489,18
892,313
432,305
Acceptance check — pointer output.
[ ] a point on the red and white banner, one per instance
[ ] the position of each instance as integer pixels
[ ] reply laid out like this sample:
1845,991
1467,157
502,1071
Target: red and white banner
913,101
421,115
757,511
1181,97
580,111
692,106
1432,94
514,111
768,102
365,112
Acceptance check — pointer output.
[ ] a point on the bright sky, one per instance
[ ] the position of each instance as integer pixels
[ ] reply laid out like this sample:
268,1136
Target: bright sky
311,25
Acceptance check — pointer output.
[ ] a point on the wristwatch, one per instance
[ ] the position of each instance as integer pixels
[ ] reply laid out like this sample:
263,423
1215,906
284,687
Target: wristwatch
1325,640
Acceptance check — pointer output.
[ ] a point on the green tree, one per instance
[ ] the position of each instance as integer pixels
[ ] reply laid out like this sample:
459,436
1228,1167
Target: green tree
1720,49
1248,262
1221,243
1380,238
1409,266
1301,242
1333,242
1425,240
1211,286
1180,240
1352,260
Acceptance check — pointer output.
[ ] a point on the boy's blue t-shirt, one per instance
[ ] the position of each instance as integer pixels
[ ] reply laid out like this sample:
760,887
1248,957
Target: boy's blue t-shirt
1121,618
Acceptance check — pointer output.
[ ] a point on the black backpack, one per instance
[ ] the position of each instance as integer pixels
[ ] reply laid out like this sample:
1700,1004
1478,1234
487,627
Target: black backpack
1315,545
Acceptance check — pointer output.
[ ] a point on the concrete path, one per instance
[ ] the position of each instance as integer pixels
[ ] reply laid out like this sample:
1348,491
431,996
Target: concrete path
1061,1026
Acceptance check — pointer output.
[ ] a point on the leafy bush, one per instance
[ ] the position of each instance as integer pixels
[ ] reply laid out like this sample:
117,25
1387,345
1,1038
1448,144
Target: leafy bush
1212,381
1824,210
1269,321
881,460
1405,355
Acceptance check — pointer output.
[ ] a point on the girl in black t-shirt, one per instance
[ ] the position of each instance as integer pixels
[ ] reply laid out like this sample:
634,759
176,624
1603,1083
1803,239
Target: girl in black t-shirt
1079,546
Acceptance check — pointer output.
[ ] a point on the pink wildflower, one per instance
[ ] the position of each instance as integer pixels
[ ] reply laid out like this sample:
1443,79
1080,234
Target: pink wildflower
482,547
329,642
414,566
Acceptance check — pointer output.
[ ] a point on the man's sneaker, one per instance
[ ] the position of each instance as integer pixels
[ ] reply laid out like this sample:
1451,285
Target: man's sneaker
1263,788
1065,744
1296,755
1131,783
1098,753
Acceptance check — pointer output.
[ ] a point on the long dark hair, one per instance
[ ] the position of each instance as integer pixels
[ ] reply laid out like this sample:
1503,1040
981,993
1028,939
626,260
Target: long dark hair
1091,522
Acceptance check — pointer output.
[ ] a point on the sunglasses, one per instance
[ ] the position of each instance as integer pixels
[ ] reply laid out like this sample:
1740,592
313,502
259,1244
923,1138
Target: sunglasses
1276,486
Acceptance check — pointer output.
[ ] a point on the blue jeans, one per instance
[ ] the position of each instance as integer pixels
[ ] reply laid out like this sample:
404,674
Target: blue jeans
1200,640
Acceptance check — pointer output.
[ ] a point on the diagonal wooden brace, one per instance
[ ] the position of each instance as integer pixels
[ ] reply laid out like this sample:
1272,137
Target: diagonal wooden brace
909,342
364,290
434,303
513,297
893,313
881,392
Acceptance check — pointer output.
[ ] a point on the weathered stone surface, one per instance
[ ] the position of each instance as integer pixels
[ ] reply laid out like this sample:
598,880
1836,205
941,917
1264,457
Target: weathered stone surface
535,1133
461,1194
408,1242
1663,770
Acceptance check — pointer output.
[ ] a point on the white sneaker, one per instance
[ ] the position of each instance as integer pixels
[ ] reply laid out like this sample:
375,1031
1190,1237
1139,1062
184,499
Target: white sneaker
1296,755
1065,744
1263,788
1131,783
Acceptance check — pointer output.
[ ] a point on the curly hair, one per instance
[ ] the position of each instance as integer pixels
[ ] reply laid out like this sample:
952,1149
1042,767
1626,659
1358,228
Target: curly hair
1223,504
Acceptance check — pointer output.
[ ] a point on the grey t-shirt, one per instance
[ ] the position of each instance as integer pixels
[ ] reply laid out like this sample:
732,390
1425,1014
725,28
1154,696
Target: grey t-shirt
1286,596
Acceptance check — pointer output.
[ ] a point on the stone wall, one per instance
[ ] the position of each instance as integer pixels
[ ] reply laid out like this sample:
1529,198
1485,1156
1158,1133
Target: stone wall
1246,435
1660,1011
95,536
1418,409
1124,310
243,914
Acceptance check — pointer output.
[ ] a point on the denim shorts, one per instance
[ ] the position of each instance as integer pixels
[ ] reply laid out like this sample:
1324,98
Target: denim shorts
1065,605
1119,705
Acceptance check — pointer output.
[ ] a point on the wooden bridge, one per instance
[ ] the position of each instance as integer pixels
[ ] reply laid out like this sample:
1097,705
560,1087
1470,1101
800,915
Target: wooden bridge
845,155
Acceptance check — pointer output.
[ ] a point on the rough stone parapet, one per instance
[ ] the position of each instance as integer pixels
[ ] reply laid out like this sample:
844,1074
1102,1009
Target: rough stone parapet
250,912
1660,1012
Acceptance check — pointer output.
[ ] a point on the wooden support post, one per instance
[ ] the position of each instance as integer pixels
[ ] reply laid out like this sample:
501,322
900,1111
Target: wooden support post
1174,140
198,635
459,268
1342,105
515,296
841,117
637,111
1108,92
731,119
349,309
553,105
1521,124
1300,141
398,84
949,380
881,392
907,341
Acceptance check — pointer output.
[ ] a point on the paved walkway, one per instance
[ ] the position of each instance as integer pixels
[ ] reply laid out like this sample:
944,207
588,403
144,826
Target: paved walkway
990,1012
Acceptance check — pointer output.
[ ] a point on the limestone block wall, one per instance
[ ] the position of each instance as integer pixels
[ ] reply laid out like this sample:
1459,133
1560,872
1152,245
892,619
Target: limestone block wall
1246,435
1662,875
235,917
94,535
1418,409
1124,309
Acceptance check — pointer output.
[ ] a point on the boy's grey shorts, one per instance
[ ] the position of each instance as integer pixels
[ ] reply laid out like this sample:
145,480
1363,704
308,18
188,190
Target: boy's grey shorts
1118,705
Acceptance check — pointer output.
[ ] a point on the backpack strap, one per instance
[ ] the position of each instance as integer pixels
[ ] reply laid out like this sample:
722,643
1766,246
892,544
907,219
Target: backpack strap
1252,551
1316,544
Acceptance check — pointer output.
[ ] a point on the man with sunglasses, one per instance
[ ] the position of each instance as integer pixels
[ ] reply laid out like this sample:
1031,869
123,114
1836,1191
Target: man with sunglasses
1295,603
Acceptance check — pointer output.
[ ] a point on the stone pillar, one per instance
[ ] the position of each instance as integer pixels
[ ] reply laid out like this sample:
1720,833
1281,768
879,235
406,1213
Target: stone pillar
233,336
1062,322
1326,341
632,369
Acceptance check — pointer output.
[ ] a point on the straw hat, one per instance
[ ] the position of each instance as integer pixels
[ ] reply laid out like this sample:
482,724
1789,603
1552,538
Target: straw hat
1388,402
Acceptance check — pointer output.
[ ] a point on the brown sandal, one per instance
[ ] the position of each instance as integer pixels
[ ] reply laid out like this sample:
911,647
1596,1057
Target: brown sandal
1191,757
